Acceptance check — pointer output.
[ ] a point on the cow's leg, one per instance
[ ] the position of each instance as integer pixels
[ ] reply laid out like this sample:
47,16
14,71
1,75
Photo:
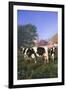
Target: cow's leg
53,57
46,59
33,56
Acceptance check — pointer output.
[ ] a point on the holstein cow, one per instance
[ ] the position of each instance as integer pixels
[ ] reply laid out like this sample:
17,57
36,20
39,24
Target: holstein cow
35,52
43,52
29,53
52,53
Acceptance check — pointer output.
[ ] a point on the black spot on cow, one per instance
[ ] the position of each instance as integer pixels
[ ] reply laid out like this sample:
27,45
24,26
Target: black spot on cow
30,51
24,50
40,51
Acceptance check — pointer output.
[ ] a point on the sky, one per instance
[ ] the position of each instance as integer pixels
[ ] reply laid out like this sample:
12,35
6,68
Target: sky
45,21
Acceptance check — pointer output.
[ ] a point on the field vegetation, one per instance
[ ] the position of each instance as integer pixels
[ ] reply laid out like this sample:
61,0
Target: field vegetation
28,69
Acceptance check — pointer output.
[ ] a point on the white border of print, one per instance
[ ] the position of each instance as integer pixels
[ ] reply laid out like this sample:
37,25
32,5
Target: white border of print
36,81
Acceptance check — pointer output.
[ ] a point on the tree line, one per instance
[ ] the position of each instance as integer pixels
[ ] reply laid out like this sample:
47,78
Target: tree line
26,35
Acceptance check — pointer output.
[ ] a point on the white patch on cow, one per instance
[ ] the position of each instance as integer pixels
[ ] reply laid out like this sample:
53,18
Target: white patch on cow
51,49
35,49
52,56
33,56
38,55
25,51
25,55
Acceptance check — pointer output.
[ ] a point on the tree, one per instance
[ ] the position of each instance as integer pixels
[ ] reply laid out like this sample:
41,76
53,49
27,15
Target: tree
26,35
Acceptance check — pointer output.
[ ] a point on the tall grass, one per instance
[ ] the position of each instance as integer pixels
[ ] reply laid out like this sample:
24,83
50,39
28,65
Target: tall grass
27,69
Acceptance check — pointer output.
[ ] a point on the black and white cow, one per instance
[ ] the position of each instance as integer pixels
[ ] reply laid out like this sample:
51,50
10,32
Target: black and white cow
52,52
35,52
43,52
29,53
